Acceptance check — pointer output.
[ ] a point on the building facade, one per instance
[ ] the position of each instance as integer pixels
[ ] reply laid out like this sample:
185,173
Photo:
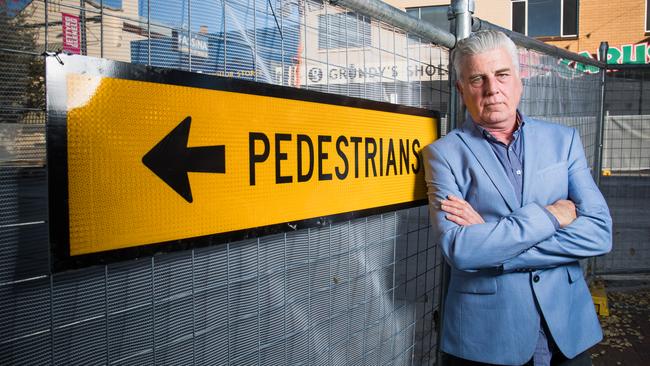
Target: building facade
580,26
436,10
575,25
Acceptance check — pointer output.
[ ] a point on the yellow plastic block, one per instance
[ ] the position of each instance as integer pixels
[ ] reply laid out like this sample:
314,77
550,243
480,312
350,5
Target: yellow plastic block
599,296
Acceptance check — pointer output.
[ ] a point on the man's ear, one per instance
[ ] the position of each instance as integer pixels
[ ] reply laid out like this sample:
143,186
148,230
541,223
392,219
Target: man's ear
459,87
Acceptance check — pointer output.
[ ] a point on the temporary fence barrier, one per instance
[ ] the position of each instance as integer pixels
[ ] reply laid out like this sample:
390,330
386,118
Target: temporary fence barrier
366,290
625,179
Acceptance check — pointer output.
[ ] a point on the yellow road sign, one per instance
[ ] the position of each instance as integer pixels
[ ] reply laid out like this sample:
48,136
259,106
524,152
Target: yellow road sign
152,162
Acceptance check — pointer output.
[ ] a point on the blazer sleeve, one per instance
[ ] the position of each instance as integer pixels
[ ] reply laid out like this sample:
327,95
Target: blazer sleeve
481,246
589,235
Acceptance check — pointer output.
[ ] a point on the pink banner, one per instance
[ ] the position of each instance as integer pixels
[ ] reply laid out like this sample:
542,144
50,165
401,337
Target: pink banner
71,33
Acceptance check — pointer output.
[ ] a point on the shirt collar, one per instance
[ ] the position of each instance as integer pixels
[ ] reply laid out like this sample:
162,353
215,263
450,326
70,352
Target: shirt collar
515,135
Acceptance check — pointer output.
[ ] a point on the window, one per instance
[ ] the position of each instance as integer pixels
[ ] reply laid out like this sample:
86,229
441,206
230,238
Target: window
110,4
436,15
113,4
570,18
519,16
12,8
345,30
545,18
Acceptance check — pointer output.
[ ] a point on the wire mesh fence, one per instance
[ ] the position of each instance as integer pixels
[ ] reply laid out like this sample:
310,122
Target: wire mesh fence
560,92
625,180
362,291
564,92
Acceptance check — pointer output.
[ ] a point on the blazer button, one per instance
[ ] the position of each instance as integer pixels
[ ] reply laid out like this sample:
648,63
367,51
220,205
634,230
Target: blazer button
536,278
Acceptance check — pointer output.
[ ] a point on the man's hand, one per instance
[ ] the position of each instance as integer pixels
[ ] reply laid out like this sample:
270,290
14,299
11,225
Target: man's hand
564,211
460,212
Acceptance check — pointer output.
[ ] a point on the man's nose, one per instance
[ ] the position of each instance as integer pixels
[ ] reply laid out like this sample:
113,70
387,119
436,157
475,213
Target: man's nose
491,86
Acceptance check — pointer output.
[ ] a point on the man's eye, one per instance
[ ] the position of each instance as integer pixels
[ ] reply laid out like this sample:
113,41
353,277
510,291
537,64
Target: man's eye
476,80
503,75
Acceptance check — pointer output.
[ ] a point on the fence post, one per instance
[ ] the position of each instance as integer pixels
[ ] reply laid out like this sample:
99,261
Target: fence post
460,13
598,149
600,127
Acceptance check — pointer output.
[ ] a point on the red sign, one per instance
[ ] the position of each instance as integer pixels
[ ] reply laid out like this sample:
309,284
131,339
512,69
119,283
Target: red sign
71,33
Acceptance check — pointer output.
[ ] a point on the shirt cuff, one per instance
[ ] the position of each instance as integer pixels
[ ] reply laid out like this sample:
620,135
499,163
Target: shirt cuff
551,217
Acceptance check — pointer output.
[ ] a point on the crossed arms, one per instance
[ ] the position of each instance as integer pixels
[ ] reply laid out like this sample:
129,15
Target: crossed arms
526,238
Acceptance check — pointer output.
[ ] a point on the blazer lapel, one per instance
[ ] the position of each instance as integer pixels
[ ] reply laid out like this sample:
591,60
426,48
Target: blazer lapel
530,157
481,149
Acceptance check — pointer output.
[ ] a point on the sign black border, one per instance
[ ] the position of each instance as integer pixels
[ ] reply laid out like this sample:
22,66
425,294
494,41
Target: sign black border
57,69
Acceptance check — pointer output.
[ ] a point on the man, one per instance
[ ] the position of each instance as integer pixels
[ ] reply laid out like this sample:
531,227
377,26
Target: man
514,207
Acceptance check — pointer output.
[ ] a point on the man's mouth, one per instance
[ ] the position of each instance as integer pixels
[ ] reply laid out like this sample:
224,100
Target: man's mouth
493,104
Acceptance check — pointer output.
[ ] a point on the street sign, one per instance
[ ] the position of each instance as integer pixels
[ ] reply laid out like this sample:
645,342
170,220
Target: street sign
144,159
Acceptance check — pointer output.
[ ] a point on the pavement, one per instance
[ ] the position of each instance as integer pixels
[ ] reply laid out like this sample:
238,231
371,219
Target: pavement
626,330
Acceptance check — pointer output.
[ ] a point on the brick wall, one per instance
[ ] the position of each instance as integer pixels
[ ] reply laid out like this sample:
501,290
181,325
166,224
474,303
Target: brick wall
618,22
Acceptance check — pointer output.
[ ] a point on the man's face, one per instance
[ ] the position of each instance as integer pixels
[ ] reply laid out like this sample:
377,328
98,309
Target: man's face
491,88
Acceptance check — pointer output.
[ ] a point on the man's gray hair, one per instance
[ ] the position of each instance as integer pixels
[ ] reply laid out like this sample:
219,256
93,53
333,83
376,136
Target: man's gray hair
480,42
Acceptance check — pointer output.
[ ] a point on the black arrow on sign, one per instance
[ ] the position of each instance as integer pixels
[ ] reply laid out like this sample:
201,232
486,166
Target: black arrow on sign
171,159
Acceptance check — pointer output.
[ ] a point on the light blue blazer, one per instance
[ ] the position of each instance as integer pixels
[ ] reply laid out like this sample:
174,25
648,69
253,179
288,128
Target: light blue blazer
490,313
